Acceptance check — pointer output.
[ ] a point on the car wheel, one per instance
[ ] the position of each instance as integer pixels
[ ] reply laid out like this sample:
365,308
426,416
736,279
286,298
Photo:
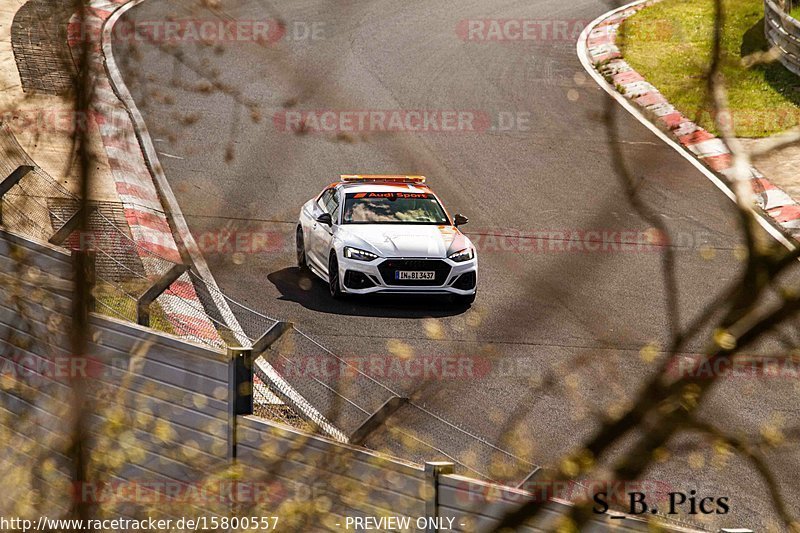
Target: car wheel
333,277
302,263
465,300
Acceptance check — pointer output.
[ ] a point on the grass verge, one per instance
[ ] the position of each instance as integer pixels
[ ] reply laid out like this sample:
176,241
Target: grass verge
114,303
669,44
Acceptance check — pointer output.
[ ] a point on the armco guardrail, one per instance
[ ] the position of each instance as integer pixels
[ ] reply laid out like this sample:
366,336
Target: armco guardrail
160,432
783,32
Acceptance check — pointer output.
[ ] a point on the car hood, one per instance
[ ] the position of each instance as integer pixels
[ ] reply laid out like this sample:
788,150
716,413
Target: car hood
411,240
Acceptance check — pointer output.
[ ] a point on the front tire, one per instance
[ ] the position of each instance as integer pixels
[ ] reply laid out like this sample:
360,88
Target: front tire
302,262
334,284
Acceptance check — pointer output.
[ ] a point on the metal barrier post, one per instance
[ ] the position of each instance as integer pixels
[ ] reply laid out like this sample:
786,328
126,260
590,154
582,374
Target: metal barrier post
270,337
377,418
240,392
70,225
155,290
434,469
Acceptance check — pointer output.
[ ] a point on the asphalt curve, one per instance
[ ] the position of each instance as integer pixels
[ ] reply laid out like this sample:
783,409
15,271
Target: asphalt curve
544,304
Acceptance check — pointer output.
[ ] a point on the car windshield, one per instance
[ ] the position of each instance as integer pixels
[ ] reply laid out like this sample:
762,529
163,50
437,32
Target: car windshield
393,208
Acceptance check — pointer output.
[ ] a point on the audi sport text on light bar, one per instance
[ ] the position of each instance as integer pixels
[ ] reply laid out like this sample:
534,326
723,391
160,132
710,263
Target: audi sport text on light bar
382,177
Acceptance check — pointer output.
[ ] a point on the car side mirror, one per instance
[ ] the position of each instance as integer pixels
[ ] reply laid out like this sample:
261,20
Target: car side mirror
325,218
460,220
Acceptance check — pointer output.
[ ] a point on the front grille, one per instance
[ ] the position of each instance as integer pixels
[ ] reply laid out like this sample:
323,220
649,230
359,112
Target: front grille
390,266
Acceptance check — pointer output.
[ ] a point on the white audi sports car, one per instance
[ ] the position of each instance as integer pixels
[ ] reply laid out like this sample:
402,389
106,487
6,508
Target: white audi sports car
386,234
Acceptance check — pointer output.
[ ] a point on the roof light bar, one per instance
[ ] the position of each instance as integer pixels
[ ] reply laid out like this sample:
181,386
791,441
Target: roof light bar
382,177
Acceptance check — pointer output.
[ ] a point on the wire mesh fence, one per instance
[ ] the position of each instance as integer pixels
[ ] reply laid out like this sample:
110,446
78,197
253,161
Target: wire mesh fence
346,395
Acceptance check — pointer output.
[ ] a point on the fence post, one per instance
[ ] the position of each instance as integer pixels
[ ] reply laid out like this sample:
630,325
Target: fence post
154,291
434,469
63,233
9,182
377,418
271,336
240,392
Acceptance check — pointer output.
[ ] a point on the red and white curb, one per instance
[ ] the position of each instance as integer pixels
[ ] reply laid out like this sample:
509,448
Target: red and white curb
134,184
138,186
598,42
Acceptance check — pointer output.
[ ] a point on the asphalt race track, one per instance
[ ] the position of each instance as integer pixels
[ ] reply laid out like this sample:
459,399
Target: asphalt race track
543,304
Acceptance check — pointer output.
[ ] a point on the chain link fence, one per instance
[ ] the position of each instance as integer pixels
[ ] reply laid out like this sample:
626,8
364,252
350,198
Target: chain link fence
38,35
346,396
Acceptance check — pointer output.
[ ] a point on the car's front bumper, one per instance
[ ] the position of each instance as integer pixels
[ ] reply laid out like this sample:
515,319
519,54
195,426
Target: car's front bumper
450,277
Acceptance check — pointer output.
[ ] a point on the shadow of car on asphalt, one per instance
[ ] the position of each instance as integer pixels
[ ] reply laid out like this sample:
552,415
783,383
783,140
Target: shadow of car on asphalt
311,292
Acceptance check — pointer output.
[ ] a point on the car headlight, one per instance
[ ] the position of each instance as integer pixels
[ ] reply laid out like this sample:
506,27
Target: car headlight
359,255
462,255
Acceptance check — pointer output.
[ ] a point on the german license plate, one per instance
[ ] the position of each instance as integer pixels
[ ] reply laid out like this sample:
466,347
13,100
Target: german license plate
414,275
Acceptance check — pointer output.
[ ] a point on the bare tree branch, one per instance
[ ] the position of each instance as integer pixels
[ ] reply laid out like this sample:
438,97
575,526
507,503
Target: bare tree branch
758,461
776,142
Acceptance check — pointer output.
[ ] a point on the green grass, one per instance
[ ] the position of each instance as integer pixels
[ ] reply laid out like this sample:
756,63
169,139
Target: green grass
670,42
118,305
795,12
